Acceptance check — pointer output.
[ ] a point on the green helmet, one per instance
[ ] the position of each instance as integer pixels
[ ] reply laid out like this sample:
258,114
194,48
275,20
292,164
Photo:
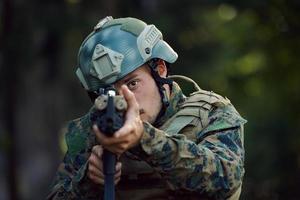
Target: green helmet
117,47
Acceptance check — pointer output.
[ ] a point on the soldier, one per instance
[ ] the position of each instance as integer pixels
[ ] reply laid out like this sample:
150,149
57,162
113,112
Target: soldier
170,146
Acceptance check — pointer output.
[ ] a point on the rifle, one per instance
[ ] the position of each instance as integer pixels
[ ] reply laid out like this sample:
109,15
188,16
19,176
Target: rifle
109,117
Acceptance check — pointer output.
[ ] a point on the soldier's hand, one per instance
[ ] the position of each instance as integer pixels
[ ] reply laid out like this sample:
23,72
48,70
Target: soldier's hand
95,166
131,132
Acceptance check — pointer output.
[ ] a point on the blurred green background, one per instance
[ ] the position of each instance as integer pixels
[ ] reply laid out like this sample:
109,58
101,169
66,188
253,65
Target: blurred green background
245,50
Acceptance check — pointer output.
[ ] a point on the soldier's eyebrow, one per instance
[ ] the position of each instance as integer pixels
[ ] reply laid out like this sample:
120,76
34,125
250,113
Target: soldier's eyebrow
127,79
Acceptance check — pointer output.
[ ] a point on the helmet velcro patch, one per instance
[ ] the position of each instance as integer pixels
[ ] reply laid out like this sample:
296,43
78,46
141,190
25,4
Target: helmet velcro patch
128,24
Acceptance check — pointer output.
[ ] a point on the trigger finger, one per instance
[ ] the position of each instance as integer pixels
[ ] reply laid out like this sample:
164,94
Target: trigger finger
118,166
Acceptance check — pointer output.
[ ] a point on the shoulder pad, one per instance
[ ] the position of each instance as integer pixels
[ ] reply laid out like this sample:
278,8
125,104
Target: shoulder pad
206,99
196,107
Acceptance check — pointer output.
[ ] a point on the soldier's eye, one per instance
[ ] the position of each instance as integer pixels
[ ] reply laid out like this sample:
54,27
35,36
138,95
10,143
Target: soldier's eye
132,85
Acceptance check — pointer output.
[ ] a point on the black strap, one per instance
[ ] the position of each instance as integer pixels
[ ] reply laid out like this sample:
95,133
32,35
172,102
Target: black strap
162,91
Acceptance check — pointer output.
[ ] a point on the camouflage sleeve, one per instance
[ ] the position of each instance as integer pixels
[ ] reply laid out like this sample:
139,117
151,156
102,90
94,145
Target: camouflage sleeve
71,181
212,164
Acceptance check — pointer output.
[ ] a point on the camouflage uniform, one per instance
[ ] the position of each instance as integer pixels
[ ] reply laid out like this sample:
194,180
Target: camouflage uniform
196,151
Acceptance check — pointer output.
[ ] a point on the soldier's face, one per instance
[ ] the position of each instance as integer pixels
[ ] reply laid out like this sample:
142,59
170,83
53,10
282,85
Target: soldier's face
141,83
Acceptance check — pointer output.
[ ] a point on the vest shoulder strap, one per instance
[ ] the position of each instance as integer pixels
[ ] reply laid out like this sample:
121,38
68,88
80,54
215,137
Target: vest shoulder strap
195,108
207,97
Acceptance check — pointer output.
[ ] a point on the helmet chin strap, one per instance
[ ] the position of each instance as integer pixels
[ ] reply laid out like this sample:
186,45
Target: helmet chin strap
162,91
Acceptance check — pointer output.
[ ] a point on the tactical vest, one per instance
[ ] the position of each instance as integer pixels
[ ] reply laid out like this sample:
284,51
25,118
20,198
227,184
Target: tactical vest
140,181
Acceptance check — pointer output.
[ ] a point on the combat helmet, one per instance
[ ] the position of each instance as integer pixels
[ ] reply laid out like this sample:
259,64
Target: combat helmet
117,47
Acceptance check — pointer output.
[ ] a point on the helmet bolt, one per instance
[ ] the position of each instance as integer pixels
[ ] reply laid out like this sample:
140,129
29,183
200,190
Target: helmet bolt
147,50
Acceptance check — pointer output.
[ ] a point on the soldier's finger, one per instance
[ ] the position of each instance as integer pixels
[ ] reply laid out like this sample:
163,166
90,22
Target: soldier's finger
95,161
126,129
95,171
133,106
117,175
117,180
96,179
98,150
118,166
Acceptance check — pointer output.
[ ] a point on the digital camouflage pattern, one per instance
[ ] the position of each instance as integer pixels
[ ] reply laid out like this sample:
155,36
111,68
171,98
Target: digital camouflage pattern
196,151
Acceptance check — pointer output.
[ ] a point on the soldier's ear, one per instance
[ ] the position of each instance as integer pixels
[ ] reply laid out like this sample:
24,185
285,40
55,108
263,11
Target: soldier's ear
162,68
